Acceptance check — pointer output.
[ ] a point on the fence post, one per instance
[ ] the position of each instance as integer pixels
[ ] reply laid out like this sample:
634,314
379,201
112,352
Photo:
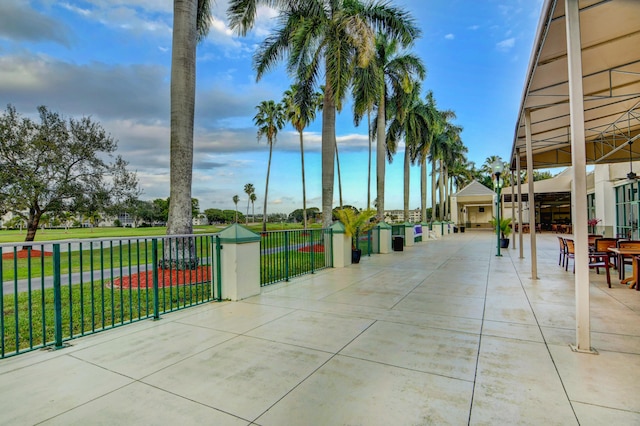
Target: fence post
286,255
156,296
57,297
219,267
312,249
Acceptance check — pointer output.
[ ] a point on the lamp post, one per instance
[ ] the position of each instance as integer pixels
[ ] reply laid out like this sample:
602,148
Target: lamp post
498,167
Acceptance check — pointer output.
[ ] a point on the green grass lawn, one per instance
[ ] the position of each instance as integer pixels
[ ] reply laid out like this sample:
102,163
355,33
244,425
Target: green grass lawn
15,236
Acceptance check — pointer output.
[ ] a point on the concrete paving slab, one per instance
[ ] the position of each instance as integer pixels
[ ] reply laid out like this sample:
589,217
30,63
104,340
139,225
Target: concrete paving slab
425,349
243,377
44,390
349,391
140,404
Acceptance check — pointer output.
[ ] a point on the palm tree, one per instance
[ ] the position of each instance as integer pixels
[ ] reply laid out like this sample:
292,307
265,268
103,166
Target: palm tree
397,70
295,103
253,199
366,83
236,199
191,20
269,119
449,145
435,153
330,33
248,189
424,148
410,121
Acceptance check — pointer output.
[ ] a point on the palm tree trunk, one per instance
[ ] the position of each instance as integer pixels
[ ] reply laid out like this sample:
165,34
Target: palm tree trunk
423,188
441,190
304,190
183,84
445,183
339,178
369,167
433,188
380,157
328,154
406,182
266,190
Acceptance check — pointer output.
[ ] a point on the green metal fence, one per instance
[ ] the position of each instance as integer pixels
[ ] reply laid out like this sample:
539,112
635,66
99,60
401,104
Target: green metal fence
56,291
287,254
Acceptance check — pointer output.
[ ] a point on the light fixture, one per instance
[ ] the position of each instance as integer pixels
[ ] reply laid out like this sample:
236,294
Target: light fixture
498,167
631,175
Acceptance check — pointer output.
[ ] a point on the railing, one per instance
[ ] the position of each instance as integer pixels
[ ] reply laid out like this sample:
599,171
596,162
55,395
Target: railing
56,291
287,254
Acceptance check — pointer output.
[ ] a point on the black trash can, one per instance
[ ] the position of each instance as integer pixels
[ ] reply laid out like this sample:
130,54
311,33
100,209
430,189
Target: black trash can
398,243
462,229
455,230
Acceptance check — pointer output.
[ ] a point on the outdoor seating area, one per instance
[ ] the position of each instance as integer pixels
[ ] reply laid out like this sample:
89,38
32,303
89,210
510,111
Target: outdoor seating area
444,332
607,253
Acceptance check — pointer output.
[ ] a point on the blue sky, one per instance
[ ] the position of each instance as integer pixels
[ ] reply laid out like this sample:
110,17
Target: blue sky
110,59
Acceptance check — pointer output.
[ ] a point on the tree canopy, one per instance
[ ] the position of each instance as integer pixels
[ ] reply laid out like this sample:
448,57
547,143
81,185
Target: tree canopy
56,164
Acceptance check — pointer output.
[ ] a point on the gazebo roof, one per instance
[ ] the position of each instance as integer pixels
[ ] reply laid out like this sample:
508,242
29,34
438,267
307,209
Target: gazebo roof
474,189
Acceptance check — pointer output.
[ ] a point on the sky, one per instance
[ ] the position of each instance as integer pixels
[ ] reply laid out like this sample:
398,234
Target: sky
110,60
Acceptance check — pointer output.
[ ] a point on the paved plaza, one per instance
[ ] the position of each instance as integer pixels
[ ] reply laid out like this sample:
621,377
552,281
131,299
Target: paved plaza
442,333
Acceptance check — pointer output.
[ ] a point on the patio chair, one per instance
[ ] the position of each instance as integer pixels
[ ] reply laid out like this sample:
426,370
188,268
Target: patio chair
570,254
602,245
600,257
563,251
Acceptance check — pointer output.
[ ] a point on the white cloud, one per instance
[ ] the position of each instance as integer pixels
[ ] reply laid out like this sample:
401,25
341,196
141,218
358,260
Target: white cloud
449,36
474,27
506,44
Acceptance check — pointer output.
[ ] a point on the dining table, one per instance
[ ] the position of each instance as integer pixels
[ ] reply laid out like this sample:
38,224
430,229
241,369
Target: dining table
633,253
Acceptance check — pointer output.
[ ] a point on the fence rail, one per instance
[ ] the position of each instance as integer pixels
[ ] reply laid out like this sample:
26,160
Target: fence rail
287,254
56,291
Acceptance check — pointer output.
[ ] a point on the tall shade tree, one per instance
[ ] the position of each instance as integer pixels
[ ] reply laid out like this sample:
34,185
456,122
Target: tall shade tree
397,70
300,112
249,189
269,119
323,38
236,199
409,122
191,21
56,165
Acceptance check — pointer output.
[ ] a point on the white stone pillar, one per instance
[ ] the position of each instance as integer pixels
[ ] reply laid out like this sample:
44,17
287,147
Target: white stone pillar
409,239
341,246
382,238
239,262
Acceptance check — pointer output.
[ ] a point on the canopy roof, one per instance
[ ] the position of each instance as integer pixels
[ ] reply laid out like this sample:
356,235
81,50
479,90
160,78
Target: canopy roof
610,41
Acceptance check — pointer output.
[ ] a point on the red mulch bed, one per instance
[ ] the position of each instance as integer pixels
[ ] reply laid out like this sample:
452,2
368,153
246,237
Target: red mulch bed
23,254
166,278
317,248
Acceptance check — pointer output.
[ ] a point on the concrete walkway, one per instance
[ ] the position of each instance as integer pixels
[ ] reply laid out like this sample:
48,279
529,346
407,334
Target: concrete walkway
444,332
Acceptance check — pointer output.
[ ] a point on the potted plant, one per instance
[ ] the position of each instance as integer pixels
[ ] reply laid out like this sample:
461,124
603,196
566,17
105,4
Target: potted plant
355,223
505,230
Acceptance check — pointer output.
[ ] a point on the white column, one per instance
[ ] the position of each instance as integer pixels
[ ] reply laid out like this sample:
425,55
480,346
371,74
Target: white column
579,184
532,196
519,203
513,213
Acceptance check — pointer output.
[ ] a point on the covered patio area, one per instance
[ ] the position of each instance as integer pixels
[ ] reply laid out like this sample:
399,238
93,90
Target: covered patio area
444,332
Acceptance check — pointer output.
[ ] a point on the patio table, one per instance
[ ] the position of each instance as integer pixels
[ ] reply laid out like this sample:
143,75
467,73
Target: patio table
633,253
